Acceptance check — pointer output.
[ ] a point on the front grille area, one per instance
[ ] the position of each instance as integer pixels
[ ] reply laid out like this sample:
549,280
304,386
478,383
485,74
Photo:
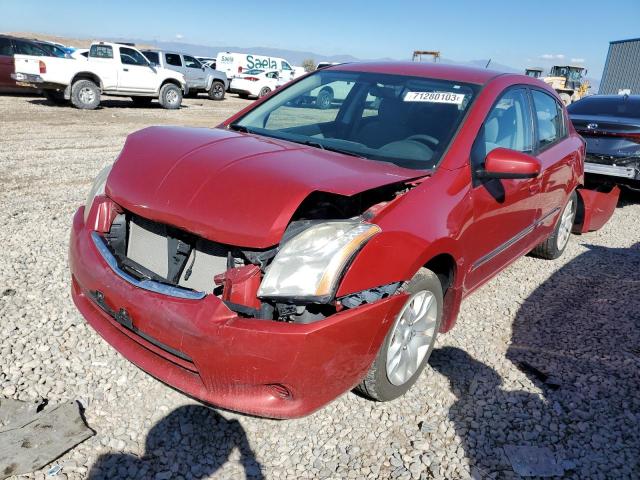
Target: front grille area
147,249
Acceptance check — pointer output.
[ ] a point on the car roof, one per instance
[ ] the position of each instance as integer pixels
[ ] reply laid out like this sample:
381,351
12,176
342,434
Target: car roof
173,52
441,71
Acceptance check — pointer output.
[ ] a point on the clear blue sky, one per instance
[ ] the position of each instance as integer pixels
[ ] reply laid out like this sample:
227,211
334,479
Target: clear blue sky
511,32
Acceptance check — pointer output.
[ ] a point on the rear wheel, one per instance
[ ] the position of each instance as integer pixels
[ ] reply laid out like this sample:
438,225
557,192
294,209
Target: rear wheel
54,96
264,91
409,342
141,101
216,92
557,242
85,95
170,96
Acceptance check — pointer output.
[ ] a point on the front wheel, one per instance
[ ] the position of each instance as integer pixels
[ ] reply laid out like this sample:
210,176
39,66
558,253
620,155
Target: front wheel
216,92
557,242
409,342
170,96
85,95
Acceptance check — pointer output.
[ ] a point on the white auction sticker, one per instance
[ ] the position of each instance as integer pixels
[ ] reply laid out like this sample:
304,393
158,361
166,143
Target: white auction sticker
435,97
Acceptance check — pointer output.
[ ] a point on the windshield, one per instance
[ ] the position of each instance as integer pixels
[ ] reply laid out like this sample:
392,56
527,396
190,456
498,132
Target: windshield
409,121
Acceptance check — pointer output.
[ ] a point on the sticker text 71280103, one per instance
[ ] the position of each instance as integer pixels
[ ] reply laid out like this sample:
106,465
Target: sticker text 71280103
435,97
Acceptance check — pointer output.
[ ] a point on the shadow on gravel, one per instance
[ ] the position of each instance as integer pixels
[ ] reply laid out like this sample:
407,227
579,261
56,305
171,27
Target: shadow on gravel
577,337
192,442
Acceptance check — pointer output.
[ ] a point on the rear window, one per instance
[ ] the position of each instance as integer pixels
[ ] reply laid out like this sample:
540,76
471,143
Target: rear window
153,57
173,59
622,106
101,51
5,46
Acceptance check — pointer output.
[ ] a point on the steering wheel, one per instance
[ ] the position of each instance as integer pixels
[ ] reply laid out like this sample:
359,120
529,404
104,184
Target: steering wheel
428,140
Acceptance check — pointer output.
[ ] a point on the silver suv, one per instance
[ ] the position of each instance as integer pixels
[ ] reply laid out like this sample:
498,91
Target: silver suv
199,77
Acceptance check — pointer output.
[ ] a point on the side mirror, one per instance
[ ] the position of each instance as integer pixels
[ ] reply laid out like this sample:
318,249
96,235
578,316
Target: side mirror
506,163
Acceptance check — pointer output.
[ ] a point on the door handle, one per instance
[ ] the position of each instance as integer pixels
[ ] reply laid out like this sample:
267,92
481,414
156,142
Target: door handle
125,69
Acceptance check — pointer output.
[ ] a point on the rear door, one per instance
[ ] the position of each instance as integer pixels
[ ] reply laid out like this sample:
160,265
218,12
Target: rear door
136,75
6,63
557,153
505,210
194,73
173,61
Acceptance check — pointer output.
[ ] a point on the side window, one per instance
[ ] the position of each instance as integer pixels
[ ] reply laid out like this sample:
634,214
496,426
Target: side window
27,48
508,125
286,66
191,62
5,47
129,56
173,59
549,118
101,51
153,57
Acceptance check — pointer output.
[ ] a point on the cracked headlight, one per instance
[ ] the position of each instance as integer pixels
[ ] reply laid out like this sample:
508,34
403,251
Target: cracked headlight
96,189
310,265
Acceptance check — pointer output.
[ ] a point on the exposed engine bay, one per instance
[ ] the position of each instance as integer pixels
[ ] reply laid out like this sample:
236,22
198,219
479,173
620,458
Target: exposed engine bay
148,250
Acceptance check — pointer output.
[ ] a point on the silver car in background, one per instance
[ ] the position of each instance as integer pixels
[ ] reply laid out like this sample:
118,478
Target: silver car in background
199,77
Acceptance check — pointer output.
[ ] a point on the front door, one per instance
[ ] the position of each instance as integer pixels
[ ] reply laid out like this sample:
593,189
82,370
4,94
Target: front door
505,210
136,74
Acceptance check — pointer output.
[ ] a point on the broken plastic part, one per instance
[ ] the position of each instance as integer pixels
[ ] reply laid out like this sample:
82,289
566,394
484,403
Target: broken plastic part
369,296
595,208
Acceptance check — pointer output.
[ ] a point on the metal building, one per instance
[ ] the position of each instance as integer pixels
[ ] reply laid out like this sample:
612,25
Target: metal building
622,70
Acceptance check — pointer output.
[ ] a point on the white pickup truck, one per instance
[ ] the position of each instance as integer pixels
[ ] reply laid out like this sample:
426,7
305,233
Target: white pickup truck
111,68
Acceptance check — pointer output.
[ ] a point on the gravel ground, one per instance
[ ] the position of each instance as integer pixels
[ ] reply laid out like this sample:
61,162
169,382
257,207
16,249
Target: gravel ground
547,354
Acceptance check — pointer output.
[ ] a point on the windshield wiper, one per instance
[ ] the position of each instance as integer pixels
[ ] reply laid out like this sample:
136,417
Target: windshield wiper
239,128
313,143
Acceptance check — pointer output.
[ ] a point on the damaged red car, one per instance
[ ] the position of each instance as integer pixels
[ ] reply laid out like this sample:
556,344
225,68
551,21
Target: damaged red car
298,251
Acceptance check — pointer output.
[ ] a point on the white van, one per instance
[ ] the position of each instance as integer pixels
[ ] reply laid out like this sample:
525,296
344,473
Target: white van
234,64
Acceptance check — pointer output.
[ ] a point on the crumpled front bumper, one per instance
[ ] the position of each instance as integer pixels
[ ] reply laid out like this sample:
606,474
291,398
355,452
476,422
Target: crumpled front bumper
200,347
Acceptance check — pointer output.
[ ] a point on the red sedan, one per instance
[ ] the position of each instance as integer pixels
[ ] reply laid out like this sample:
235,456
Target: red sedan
295,252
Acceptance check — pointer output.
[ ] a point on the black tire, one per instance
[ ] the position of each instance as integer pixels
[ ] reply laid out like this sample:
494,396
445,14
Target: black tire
324,99
141,101
85,95
264,91
54,96
170,96
216,92
376,384
554,246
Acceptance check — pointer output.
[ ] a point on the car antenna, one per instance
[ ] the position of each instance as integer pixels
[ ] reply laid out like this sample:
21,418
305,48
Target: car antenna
487,65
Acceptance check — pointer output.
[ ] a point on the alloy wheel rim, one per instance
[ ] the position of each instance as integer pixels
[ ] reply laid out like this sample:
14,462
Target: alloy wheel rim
172,96
87,95
217,90
566,224
411,338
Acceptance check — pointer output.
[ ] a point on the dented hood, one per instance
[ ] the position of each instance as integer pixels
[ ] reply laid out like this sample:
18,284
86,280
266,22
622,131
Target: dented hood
231,187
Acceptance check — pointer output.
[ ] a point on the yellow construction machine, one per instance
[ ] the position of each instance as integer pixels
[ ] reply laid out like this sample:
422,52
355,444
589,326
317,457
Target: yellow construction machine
567,80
